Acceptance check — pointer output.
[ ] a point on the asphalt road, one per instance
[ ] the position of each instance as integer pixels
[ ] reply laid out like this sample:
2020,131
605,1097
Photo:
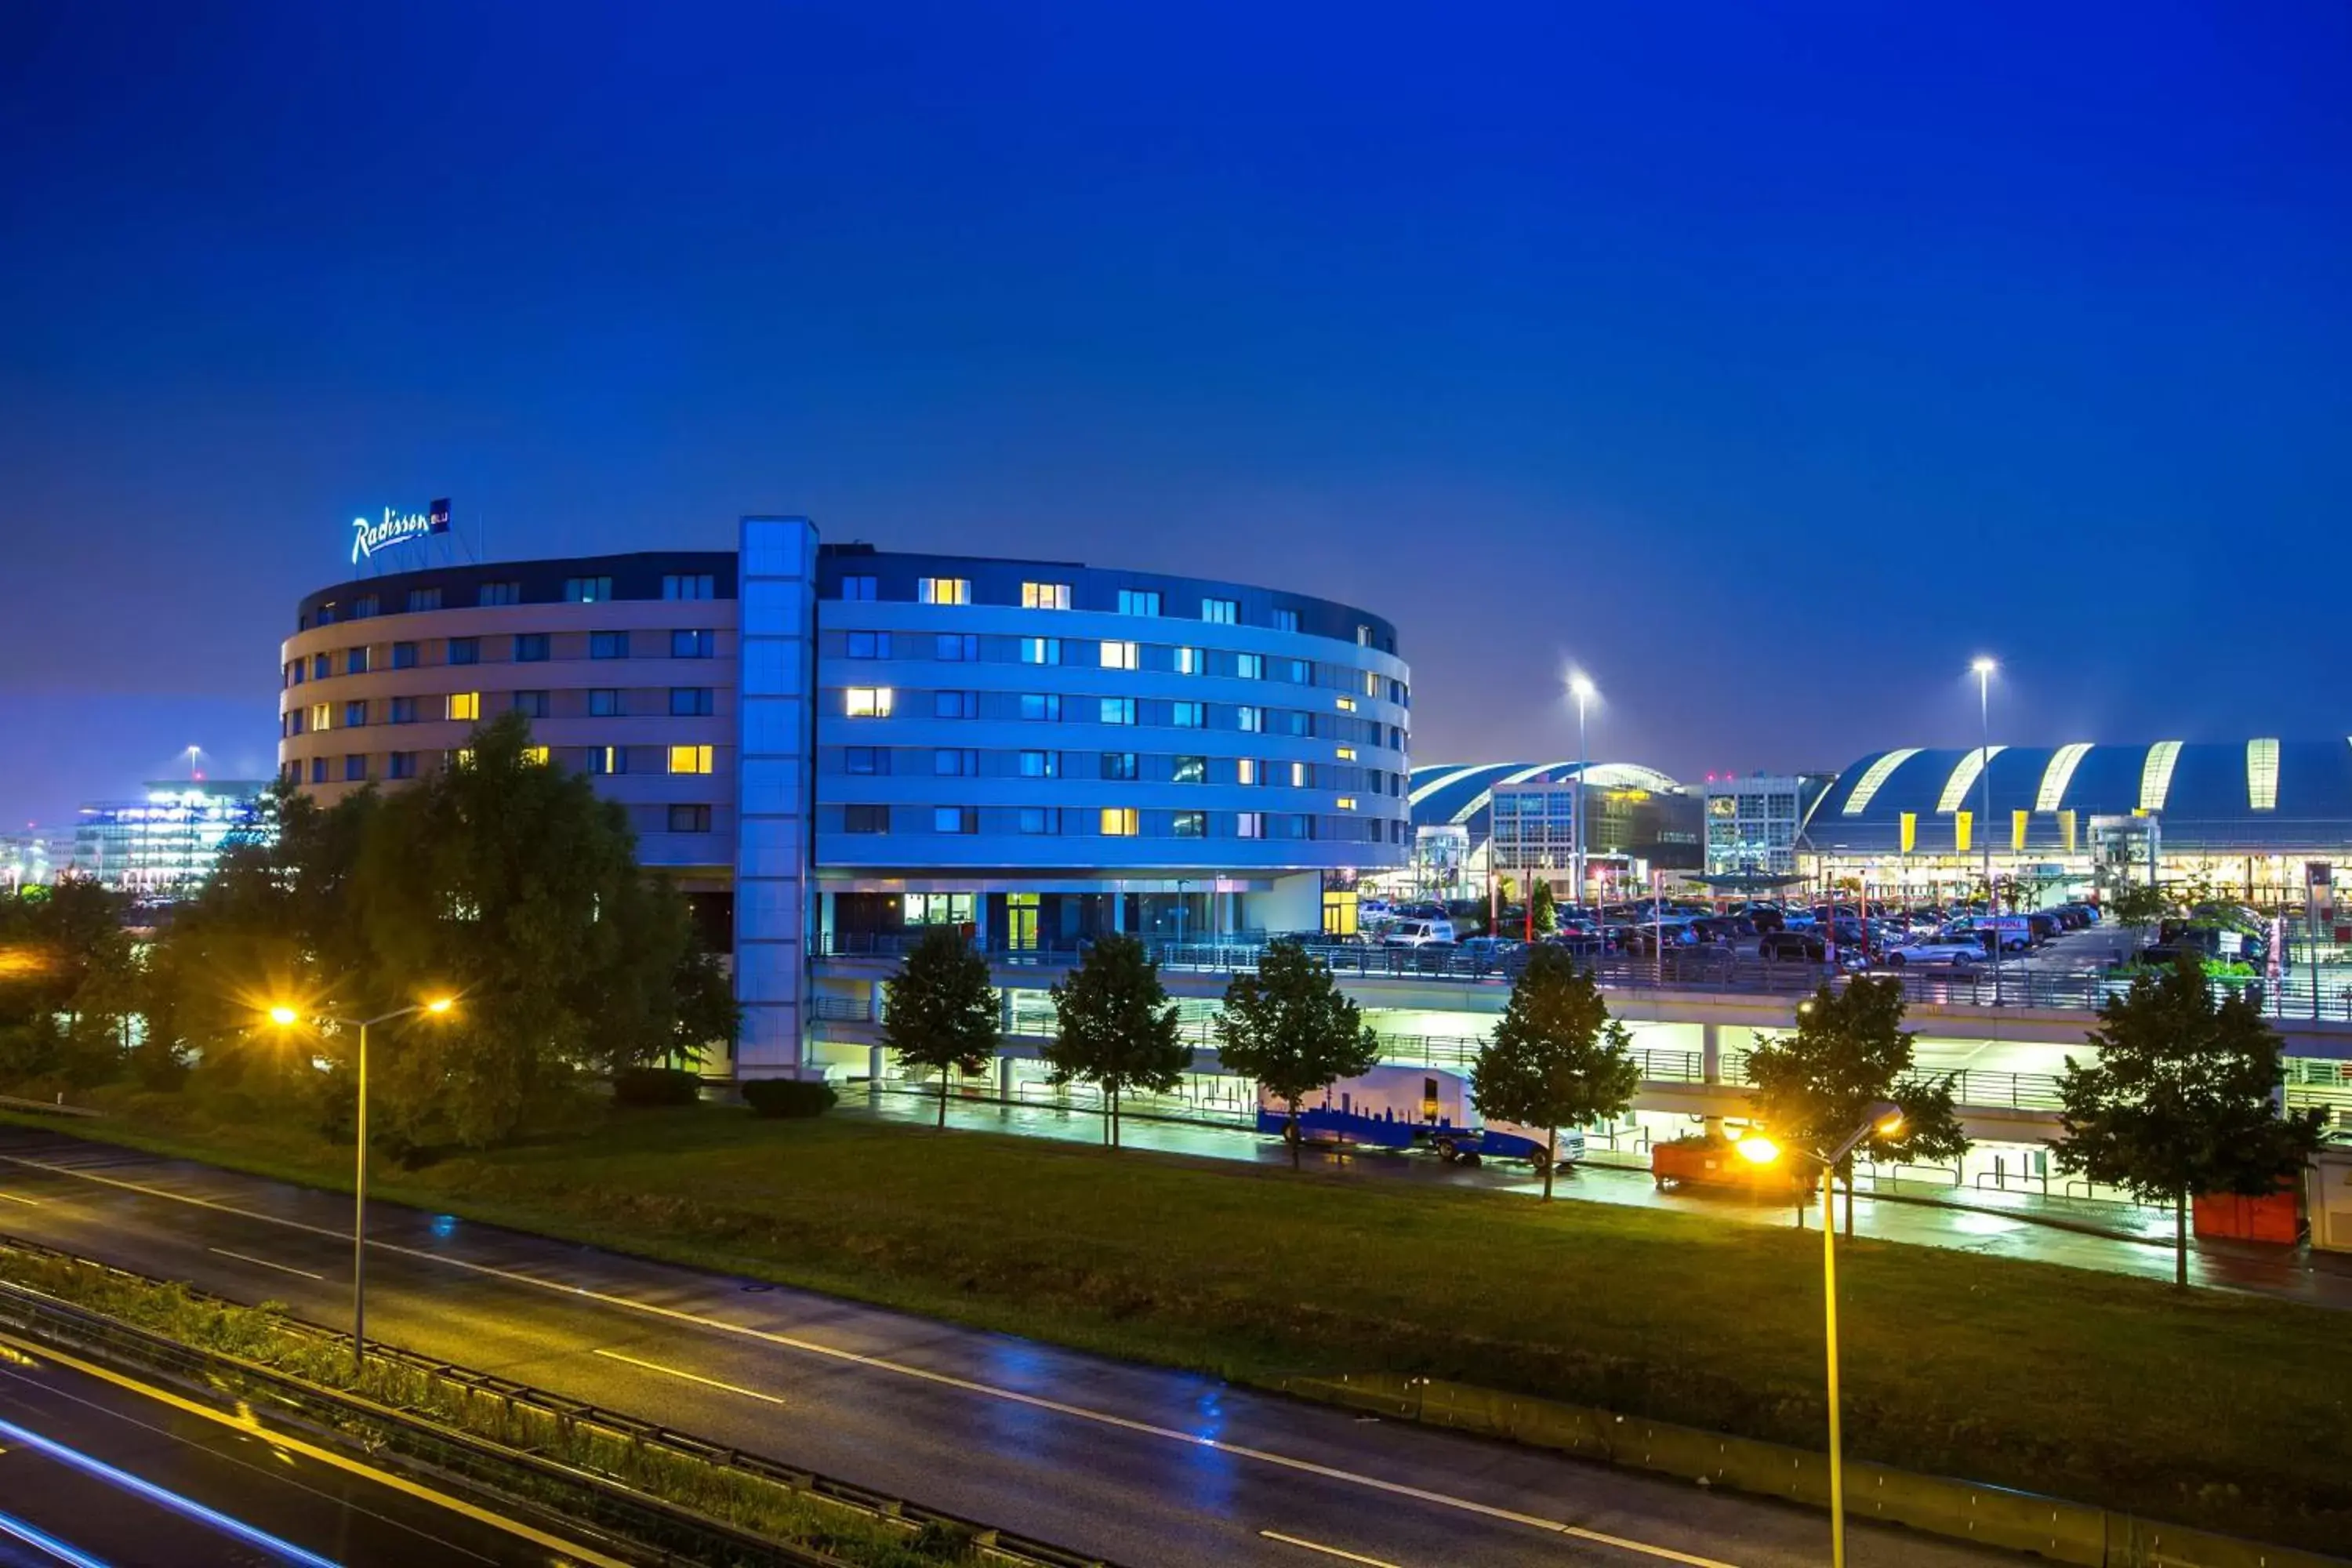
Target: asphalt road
95,1468
1141,1466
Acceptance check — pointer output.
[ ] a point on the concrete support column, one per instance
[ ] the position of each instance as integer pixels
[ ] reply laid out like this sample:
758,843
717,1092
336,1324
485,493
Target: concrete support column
775,742
1005,1078
1117,913
1711,1068
875,1064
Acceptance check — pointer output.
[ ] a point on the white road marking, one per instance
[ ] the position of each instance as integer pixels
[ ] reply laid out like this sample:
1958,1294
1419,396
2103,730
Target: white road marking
947,1380
28,1202
265,1263
1326,1550
689,1377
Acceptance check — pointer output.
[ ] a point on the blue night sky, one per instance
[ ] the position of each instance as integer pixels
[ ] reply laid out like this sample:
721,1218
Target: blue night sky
1768,365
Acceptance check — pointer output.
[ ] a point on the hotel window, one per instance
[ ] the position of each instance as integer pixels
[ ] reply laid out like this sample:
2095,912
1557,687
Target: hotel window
1189,824
463,757
1301,775
1248,770
939,909
1221,612
531,647
949,763
421,599
1188,715
294,673
1363,635
1286,620
943,590
950,647
955,704
1139,601
1119,822
604,702
1189,661
608,645
355,661
690,702
955,819
1347,704
466,706
1120,766
1040,819
861,588
400,766
404,711
1041,765
499,593
1041,705
587,590
322,716
464,650
866,701
364,606
690,586
1044,595
530,704
1250,719
1118,656
403,656
1346,803
865,819
354,770
869,645
689,759
1250,825
1189,770
535,755
321,666
1118,710
865,760
689,819
1040,650
1371,684
608,758
326,619
1250,665
693,644
317,770
1301,826
1345,754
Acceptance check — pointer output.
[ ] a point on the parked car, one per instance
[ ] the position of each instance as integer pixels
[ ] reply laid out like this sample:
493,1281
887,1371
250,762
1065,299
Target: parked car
1418,933
1963,953
1791,947
1489,950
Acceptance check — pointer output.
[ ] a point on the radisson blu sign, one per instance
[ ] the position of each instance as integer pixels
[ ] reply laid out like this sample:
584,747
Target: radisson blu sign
398,527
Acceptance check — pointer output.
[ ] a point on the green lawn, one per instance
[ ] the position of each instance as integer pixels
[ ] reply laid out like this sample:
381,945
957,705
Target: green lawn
2205,1408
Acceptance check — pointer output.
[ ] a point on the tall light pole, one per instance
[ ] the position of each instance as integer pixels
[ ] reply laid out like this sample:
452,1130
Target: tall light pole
286,1018
1983,668
1580,686
1885,1122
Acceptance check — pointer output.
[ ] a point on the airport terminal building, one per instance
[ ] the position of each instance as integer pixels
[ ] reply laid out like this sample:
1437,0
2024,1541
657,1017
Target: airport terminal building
832,747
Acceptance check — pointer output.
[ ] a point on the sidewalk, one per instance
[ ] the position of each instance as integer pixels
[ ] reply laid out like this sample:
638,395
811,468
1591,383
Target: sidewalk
2113,1238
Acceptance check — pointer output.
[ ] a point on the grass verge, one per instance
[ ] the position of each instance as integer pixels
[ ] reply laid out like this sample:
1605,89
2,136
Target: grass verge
2218,1410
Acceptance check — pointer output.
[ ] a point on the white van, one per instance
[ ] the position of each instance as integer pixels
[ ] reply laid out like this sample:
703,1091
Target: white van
1418,933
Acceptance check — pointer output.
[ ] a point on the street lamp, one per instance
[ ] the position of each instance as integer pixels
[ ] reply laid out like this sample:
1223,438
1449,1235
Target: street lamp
1885,1122
1581,687
286,1017
1983,669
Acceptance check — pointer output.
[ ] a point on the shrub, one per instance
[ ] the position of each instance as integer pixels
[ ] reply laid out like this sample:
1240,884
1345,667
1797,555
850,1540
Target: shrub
638,1087
789,1097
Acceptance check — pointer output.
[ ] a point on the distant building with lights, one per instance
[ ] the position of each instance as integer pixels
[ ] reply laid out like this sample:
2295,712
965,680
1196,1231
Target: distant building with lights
1755,823
1518,820
163,845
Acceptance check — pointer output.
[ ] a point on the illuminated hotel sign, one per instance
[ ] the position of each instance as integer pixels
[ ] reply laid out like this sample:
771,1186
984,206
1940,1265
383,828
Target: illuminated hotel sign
398,527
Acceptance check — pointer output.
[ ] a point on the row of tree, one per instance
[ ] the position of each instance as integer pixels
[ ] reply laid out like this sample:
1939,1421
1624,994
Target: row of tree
2180,1101
505,882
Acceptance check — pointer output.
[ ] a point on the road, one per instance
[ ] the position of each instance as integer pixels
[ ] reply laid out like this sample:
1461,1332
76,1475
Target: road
100,1468
1141,1466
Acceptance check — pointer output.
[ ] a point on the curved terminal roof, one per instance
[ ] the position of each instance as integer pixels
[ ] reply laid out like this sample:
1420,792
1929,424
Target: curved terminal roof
2254,796
1459,793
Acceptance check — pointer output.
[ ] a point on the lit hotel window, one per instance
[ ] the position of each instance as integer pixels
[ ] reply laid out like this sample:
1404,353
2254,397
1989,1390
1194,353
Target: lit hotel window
1346,753
466,706
608,758
944,590
1046,596
689,759
1247,770
536,754
1299,775
1347,704
1040,650
1346,803
322,714
1119,821
1250,825
1189,661
1118,656
868,701
1371,684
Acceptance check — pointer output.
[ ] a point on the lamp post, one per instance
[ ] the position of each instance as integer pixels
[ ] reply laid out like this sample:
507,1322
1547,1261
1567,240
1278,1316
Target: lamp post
1885,1122
286,1018
1581,687
1983,668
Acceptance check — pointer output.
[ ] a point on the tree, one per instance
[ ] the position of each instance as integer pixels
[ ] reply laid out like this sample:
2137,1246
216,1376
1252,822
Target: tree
2179,1100
2136,905
1850,1053
1289,1027
939,1009
1557,1058
1116,1027
1545,909
69,983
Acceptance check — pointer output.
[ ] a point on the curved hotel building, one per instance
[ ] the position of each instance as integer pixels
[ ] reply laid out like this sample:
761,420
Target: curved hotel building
831,746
